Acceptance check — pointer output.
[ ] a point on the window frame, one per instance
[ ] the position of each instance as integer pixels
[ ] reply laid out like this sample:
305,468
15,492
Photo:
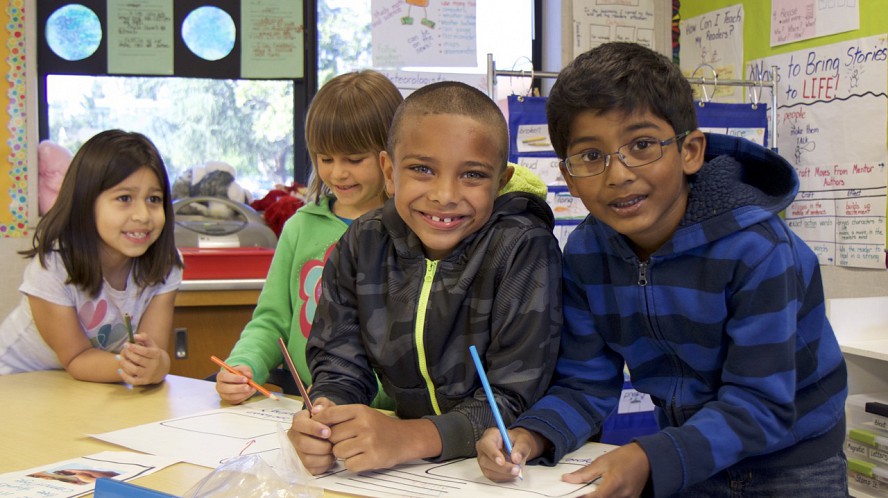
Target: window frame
41,65
185,64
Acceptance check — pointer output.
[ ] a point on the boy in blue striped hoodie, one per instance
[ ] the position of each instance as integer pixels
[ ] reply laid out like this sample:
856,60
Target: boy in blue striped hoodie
685,271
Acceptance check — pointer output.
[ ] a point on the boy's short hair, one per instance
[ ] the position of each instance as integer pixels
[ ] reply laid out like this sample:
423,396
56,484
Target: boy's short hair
452,97
619,76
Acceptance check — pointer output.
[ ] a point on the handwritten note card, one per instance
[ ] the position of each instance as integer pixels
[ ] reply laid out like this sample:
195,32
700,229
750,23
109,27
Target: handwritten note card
409,81
140,37
832,127
421,33
273,39
795,20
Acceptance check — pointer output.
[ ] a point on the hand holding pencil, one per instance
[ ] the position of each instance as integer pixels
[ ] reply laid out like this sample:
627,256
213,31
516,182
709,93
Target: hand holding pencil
233,387
250,381
501,426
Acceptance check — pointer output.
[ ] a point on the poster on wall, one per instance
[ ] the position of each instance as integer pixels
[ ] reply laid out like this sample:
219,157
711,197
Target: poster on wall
796,20
712,47
409,81
272,33
600,21
140,37
831,122
423,33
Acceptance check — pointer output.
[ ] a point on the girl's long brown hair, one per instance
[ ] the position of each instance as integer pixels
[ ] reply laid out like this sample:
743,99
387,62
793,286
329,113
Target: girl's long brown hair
69,227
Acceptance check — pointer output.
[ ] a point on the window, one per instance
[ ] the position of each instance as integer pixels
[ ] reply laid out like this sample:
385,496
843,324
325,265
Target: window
247,124
345,39
203,110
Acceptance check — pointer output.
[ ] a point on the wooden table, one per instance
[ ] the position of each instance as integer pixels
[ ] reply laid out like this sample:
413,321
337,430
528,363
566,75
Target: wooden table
49,414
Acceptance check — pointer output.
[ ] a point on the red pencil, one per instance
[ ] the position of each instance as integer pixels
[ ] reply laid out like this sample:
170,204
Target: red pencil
256,386
292,368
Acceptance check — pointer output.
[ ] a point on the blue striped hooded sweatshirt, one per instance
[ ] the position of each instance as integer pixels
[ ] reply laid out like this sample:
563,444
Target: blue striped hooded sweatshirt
724,326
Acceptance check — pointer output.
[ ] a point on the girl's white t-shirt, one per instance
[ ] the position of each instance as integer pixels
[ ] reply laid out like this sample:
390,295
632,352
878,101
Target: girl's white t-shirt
22,349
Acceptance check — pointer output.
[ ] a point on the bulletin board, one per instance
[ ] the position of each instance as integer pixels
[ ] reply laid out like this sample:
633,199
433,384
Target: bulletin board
13,175
838,148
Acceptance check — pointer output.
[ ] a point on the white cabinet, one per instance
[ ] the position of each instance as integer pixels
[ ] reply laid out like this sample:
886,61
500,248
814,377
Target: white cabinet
861,326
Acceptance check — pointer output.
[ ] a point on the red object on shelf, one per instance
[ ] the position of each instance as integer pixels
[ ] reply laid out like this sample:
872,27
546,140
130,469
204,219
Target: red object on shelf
226,264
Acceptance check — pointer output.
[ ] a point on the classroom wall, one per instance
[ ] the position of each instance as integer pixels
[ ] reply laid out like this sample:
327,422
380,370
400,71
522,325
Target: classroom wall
838,282
13,150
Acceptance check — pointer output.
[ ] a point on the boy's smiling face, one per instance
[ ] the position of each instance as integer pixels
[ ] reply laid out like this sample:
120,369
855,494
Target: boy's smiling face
645,203
444,176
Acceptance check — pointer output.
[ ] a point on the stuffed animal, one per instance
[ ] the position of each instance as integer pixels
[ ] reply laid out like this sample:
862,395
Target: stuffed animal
53,161
279,205
212,179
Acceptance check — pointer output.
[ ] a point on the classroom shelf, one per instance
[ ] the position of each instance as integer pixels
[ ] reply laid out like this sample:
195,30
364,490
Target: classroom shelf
877,349
856,493
861,327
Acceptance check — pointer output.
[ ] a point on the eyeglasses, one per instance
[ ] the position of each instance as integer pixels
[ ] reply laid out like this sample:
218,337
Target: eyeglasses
639,152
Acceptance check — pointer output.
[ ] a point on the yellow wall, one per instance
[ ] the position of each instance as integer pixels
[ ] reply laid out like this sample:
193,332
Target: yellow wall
757,25
13,172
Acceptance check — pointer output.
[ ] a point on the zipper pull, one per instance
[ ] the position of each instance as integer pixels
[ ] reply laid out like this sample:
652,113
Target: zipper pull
642,274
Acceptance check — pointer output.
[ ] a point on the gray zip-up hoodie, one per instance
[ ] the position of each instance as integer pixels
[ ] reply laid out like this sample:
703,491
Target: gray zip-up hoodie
386,308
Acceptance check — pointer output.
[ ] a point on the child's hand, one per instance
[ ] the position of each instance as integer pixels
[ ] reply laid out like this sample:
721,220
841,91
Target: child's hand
234,388
142,362
492,458
368,439
623,471
310,438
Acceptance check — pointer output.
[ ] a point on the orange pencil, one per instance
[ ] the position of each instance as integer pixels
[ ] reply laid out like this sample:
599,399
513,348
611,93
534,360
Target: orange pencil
292,369
259,388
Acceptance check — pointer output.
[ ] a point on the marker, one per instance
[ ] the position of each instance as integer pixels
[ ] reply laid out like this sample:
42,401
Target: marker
867,437
490,399
868,469
292,368
129,327
876,408
256,386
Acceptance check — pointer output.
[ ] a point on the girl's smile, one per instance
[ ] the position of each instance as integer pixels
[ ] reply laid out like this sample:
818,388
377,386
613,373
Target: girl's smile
129,217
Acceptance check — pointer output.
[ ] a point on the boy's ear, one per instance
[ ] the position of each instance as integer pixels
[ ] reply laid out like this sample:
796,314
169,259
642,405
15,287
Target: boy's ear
388,172
693,149
505,177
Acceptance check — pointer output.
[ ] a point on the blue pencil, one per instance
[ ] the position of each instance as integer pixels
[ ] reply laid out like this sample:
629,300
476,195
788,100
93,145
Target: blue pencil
490,399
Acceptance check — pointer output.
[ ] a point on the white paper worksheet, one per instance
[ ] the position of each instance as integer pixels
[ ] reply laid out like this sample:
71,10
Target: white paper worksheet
212,437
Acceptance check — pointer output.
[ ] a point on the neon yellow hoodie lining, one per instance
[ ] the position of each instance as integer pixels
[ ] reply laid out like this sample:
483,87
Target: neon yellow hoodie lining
418,335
